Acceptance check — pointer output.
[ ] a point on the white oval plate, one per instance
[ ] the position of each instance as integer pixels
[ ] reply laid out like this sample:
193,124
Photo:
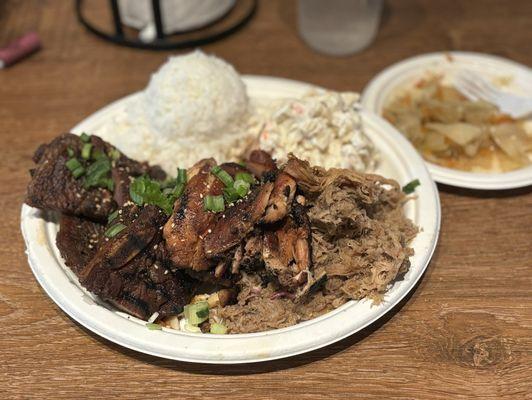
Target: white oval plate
405,73
399,161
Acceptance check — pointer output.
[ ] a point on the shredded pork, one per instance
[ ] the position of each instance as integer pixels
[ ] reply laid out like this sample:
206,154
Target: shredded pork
360,239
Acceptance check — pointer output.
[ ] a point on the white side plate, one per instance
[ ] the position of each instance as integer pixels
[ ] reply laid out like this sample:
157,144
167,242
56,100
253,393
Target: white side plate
399,161
406,72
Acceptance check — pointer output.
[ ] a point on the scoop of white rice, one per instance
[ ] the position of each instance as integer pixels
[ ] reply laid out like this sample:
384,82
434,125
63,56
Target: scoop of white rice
195,106
194,95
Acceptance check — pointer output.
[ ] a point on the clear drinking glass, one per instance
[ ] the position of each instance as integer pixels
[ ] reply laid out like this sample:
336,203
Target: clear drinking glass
339,27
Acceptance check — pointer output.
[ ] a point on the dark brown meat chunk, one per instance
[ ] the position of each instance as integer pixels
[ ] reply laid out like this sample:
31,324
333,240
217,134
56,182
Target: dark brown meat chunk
280,201
131,270
286,251
53,187
77,241
259,163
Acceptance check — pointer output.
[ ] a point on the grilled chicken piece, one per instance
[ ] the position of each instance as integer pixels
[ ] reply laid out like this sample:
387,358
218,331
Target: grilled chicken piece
184,230
286,251
281,198
237,221
129,270
77,241
53,186
259,163
200,239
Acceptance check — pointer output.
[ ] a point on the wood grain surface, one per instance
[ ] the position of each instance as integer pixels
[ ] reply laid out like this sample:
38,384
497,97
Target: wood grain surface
464,333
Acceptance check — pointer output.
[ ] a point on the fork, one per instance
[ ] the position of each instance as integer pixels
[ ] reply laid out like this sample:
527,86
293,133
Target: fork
475,88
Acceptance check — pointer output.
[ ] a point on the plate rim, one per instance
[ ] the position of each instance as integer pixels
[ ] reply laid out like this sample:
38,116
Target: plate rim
56,297
387,78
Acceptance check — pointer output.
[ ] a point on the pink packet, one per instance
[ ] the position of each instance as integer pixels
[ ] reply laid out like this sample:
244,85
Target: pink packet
20,48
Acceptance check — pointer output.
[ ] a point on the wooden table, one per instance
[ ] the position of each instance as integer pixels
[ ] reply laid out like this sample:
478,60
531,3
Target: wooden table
465,332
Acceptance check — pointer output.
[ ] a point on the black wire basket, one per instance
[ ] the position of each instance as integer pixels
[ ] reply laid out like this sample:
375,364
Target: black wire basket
233,20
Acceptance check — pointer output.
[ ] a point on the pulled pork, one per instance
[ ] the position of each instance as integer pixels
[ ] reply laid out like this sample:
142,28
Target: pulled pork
359,242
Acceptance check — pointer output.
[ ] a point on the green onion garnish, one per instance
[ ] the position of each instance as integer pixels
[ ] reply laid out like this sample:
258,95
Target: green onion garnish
73,164
213,203
181,175
114,230
231,195
84,137
218,329
178,190
411,186
153,327
144,190
196,313
112,216
241,187
78,172
86,151
70,152
222,175
97,155
137,189
114,154
244,176
97,174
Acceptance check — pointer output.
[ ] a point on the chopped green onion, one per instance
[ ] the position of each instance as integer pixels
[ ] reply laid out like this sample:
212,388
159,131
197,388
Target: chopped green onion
112,216
86,151
411,186
70,152
97,174
244,176
213,203
197,313
137,189
231,195
181,175
73,164
84,137
178,190
218,329
222,175
114,154
153,327
114,230
144,190
98,155
78,172
241,187
108,183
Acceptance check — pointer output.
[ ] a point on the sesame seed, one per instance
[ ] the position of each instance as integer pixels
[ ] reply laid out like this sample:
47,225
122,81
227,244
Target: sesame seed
209,230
